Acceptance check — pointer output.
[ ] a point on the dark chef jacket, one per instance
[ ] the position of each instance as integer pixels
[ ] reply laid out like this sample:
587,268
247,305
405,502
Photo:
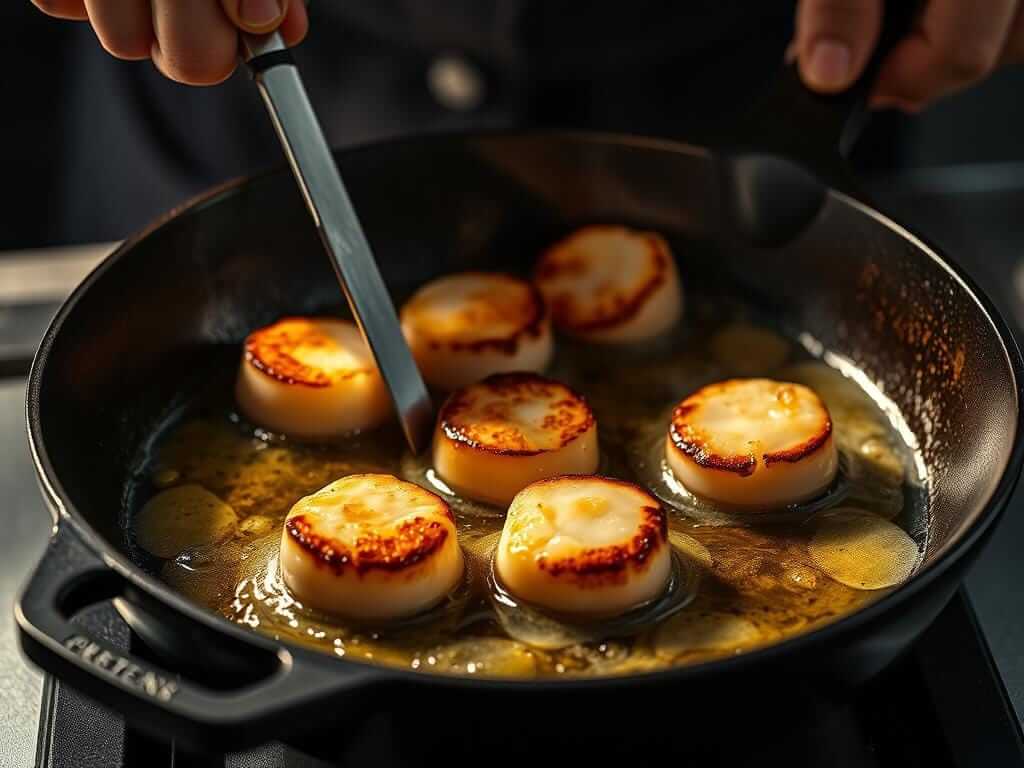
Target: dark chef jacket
116,144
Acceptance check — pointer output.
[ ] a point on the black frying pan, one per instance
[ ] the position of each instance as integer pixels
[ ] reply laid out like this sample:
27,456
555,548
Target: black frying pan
153,320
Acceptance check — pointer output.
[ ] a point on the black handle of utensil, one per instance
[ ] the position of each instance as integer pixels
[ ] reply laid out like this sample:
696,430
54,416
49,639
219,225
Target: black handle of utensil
775,168
817,129
288,691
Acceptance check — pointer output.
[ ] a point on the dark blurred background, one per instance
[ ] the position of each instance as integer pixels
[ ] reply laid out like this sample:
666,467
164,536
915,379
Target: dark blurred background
96,147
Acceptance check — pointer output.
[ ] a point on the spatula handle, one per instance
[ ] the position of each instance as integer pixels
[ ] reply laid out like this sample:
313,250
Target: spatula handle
819,129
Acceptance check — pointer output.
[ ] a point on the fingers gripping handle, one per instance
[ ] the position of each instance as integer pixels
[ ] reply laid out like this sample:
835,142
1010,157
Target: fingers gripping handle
818,129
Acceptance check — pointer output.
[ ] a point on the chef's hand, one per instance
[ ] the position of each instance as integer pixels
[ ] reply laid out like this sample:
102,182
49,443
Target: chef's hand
953,44
191,41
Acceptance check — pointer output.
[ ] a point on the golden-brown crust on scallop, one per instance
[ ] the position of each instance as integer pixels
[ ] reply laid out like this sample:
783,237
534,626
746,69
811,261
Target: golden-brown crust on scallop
606,565
529,317
571,415
413,541
695,443
806,448
269,349
558,260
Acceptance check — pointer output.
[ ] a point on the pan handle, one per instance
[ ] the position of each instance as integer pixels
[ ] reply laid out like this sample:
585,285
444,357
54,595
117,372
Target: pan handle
816,129
286,692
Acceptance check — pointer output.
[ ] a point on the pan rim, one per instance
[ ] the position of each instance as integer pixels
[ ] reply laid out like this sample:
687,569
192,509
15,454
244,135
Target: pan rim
64,512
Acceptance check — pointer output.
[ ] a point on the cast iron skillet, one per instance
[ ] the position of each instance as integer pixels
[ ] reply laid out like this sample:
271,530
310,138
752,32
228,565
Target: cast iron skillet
168,305
171,306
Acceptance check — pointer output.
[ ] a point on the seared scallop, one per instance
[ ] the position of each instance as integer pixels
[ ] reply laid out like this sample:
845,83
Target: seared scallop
496,437
371,547
753,443
584,545
611,284
311,377
462,328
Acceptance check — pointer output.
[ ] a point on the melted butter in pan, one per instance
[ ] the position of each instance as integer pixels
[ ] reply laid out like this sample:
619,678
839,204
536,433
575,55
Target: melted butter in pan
748,581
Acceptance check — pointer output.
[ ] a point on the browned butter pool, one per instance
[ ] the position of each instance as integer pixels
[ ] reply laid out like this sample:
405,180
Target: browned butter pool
745,580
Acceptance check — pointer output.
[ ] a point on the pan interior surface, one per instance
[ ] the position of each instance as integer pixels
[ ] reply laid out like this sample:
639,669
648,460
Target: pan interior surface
851,293
740,580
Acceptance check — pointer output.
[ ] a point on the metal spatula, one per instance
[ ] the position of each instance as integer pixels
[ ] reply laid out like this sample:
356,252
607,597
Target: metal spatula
317,175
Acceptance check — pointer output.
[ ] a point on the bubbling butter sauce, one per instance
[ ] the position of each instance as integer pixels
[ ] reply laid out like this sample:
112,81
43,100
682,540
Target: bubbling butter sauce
740,580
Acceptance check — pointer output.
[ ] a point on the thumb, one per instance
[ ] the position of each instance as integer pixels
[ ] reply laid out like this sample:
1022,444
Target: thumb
256,16
834,40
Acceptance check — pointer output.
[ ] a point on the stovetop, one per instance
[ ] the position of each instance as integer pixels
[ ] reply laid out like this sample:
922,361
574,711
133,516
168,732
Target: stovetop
957,699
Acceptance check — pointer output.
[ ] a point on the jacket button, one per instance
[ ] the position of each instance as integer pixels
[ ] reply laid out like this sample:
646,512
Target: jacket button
455,83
